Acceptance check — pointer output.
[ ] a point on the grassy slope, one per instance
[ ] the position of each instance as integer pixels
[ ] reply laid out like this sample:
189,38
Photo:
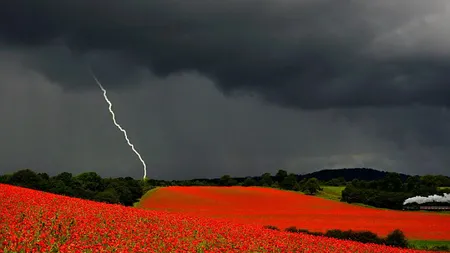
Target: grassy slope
427,244
331,192
145,196
335,193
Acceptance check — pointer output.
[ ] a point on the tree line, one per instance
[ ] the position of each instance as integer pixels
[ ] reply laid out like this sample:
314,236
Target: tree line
391,191
87,185
367,186
127,191
395,239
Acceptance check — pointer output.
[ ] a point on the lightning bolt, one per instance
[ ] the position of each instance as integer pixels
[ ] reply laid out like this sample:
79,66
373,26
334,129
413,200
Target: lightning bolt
117,125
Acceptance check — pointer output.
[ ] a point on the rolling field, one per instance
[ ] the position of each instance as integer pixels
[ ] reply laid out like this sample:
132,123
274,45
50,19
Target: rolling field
331,192
266,206
33,221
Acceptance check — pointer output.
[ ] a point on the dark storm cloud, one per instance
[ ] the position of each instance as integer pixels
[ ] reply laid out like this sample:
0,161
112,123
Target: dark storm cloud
64,67
308,54
185,128
414,125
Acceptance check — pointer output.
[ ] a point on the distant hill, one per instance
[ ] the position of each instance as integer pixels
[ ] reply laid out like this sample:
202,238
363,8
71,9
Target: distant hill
350,174
366,174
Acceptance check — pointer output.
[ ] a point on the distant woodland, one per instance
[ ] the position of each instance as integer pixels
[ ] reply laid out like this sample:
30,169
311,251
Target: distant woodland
362,185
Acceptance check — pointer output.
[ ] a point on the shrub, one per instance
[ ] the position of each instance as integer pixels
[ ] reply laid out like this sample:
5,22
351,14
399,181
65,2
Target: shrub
440,248
366,237
335,233
291,229
397,239
359,236
272,227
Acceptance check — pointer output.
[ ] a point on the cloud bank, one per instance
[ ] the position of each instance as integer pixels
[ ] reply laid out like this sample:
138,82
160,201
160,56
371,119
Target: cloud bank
344,84
304,54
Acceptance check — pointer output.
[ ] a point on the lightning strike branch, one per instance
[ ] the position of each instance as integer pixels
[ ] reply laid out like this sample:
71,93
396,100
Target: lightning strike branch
118,126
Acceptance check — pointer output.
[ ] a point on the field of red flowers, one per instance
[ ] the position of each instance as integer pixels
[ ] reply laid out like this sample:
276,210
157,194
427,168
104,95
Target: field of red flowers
266,206
33,221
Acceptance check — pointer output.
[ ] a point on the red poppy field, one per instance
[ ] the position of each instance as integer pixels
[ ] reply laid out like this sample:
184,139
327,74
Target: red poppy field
33,221
266,206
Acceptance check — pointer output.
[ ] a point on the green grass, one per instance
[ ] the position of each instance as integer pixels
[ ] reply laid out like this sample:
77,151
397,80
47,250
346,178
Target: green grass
423,244
434,212
335,193
146,195
331,192
446,187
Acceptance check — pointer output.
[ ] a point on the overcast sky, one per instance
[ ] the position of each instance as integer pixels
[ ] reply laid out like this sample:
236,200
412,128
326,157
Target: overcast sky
241,87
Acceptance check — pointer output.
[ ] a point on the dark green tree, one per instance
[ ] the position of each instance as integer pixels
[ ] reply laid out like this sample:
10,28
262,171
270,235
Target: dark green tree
90,181
336,182
312,186
4,179
412,184
249,182
44,176
275,185
266,180
281,174
296,187
109,196
25,178
429,181
392,182
226,180
59,187
65,177
289,182
397,239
